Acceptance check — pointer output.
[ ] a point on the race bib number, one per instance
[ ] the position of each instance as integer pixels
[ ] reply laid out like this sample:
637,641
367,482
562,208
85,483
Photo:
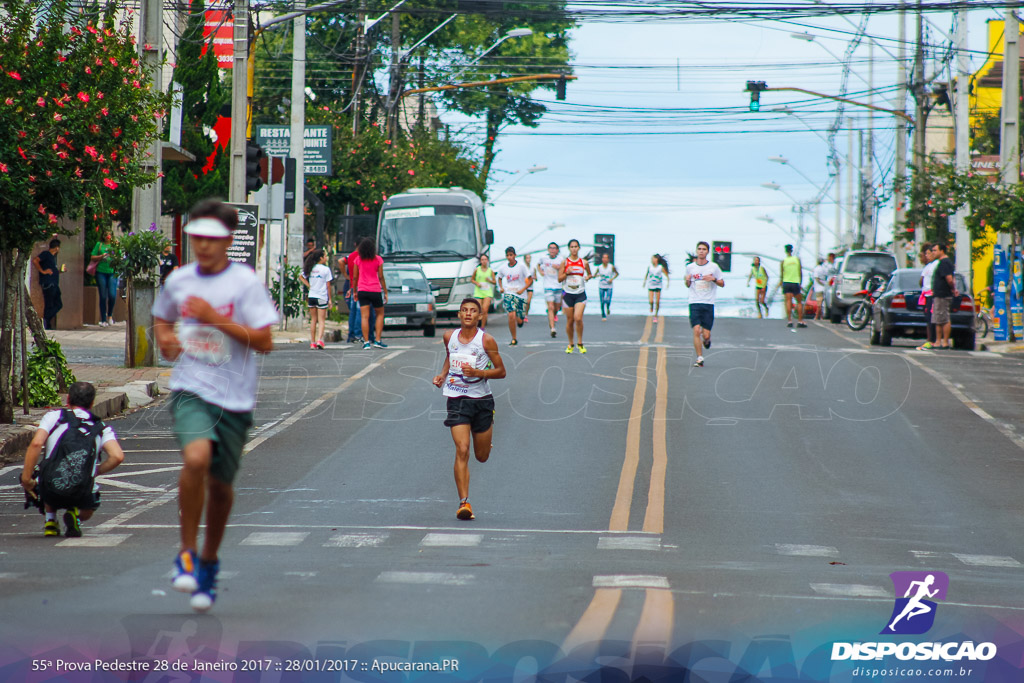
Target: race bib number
702,285
458,361
204,343
574,281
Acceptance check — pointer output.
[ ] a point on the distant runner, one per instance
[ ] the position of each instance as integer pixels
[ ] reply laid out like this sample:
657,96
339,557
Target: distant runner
513,281
529,290
606,274
471,360
483,287
703,278
654,280
760,276
820,276
547,268
792,276
574,272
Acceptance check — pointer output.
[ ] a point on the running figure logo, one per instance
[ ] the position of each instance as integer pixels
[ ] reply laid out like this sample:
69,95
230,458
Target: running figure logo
914,613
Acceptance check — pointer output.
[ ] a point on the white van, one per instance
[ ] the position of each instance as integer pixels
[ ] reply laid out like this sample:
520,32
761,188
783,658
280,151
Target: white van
444,231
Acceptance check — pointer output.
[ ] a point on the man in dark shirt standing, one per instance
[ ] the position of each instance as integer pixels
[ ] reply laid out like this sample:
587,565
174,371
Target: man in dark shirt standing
943,291
49,282
168,263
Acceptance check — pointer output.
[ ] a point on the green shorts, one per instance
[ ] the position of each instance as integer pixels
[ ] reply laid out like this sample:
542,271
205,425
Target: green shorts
195,419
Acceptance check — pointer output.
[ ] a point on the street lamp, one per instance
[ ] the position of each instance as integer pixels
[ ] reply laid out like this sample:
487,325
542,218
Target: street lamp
514,33
521,174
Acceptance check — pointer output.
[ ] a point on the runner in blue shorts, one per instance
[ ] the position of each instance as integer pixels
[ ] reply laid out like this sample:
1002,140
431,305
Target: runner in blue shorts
703,279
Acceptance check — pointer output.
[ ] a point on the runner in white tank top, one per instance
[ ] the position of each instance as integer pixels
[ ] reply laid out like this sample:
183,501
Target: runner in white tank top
574,272
471,359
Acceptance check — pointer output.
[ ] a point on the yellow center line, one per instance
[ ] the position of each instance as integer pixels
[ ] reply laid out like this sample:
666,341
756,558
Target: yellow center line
654,518
627,477
595,620
656,621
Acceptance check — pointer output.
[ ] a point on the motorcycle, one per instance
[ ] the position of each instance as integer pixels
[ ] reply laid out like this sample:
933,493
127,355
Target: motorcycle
859,313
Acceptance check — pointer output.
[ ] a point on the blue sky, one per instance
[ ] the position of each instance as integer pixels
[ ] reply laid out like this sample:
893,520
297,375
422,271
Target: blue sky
665,192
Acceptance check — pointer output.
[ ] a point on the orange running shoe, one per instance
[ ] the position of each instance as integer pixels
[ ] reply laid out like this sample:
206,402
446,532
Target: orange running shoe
465,511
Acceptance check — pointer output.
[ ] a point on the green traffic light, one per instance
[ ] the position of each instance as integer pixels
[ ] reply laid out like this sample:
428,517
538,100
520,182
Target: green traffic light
755,106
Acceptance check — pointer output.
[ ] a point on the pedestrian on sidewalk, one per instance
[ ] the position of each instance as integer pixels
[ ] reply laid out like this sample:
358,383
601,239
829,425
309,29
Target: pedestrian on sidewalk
316,276
703,278
925,300
347,265
943,292
371,291
168,263
819,276
73,439
471,360
106,278
49,283
225,314
792,274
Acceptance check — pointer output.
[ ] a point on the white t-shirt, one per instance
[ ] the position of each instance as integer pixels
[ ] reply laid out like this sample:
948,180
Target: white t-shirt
655,277
926,277
318,278
605,275
548,268
512,278
820,275
52,419
212,365
703,291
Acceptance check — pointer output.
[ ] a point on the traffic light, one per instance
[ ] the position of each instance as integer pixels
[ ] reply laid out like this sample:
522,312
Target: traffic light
755,88
721,254
560,89
253,156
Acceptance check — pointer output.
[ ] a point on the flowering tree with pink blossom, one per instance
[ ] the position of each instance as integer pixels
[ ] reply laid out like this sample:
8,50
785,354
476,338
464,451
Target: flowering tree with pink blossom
77,114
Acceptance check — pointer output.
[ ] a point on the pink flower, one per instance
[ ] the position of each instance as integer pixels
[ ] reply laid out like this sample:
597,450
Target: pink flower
107,182
91,151
41,210
412,172
52,218
99,96
58,117
62,155
104,111
9,101
15,75
112,61
3,167
22,153
94,128
40,102
84,96
136,84
22,134
88,70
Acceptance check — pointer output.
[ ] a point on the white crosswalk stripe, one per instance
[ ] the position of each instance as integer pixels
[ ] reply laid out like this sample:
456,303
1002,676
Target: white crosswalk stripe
278,538
806,550
987,560
436,540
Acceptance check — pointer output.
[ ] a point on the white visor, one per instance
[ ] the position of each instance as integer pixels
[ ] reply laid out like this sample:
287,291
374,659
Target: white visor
207,227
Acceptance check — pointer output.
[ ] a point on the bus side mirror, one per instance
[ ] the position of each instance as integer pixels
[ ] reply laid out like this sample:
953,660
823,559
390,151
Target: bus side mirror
489,236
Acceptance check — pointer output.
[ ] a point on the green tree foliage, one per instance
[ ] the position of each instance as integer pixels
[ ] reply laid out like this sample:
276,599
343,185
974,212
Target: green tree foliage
77,114
204,95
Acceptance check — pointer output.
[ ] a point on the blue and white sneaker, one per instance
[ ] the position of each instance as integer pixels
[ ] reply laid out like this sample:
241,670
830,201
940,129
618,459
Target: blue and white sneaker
206,593
184,579
366,346
379,345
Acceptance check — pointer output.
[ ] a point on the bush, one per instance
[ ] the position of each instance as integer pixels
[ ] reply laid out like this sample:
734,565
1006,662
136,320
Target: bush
43,365
294,293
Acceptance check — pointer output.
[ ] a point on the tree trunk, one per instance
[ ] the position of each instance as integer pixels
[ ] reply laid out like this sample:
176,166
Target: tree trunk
129,341
13,265
35,323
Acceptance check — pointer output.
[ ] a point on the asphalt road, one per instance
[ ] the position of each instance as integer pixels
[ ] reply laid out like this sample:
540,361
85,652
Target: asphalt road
736,518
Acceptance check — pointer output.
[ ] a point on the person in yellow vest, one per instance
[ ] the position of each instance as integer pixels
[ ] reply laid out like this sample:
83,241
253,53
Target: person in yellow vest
792,277
760,277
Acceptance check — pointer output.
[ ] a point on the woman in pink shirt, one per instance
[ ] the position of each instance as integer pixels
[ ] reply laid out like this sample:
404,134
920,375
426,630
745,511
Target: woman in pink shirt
370,289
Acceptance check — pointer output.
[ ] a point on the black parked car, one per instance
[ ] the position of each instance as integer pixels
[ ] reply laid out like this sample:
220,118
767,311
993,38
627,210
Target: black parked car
410,300
897,312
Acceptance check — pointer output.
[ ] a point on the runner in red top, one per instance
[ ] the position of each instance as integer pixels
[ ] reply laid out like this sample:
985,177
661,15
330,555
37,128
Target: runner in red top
574,272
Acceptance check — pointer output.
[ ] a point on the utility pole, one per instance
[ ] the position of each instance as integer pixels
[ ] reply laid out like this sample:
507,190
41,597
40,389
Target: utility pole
921,114
961,105
862,213
868,225
239,101
851,171
1009,147
297,220
146,201
357,70
898,196
394,82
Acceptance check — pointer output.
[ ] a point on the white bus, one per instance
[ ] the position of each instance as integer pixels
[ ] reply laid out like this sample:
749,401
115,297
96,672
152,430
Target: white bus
441,229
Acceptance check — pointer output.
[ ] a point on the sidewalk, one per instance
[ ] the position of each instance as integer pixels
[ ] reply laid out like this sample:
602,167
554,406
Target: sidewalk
118,389
1000,346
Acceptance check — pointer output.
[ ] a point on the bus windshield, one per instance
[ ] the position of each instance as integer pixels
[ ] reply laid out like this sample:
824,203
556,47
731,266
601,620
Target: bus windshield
438,231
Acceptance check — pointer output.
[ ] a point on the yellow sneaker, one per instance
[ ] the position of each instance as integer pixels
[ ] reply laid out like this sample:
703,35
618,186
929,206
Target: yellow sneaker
51,528
582,348
465,512
568,349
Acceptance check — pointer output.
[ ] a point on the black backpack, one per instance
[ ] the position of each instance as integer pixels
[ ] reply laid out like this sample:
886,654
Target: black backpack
66,477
